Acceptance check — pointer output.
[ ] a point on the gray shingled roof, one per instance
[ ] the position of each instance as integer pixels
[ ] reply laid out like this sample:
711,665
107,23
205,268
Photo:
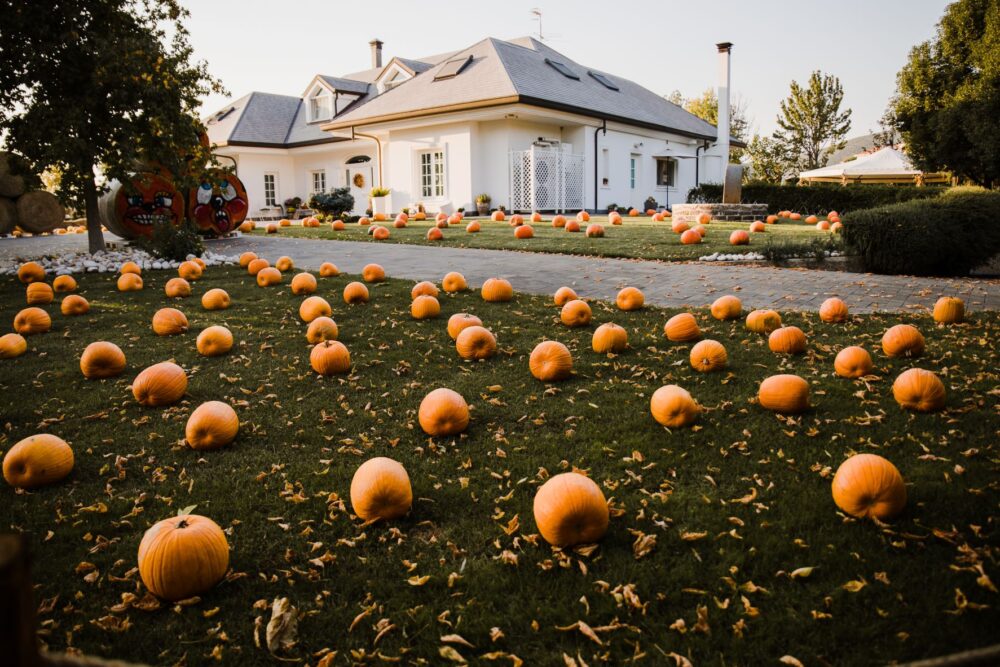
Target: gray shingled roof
345,85
265,119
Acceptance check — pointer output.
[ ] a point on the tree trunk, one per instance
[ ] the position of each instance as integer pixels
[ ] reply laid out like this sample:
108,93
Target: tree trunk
95,236
17,610
8,215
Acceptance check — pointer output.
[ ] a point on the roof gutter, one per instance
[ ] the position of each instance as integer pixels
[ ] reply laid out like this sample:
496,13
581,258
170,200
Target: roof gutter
604,127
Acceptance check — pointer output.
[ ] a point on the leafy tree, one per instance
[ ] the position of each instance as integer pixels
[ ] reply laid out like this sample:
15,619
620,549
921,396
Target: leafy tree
100,85
811,125
887,134
675,97
768,160
706,107
948,98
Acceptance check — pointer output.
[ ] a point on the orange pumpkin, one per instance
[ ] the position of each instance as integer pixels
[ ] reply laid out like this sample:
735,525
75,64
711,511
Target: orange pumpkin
284,264
811,220
572,226
701,229
284,222
682,328
609,337
903,340
30,272
400,221
37,460
595,231
615,218
32,320
443,412
373,273
454,282
313,307
215,299
679,226
269,277
570,509
177,288
475,342
823,226
64,283
364,221
516,220
473,227
330,357
257,265
454,219
853,362
129,282
214,341
787,394
189,270
583,216
727,307
169,322
425,307
536,217
320,329
212,425
704,219
630,298
575,313
558,221
739,237
869,486
691,237
424,287
183,556
381,233
328,270
795,216
247,226
74,304
460,321
130,267
303,283
355,292
498,216
708,356
497,290
673,407
160,384
756,227
524,232
434,234
771,219
833,310
564,295
40,294
12,345
102,360
550,361
920,390
787,340
837,227
380,489
763,321
949,310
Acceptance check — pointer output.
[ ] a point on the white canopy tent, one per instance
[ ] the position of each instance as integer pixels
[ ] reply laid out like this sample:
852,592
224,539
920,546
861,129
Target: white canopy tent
886,165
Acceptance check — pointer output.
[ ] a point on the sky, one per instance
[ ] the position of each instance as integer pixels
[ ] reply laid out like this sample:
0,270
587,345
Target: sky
664,45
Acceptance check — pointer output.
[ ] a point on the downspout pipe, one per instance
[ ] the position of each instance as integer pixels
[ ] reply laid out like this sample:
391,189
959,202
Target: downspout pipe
697,162
378,149
604,128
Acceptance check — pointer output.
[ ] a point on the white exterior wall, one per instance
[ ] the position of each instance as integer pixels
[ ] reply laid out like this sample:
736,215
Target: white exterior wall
621,146
402,165
253,163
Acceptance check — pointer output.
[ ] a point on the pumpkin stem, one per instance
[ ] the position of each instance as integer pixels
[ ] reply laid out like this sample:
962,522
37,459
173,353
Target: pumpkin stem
183,524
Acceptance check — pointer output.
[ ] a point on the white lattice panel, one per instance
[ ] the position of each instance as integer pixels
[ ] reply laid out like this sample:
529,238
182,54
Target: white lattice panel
544,179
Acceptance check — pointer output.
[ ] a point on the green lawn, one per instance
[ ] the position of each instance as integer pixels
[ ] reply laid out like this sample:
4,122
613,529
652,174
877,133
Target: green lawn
637,238
734,504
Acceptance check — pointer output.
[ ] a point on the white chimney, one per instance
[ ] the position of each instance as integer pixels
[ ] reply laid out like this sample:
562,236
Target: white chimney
723,139
376,45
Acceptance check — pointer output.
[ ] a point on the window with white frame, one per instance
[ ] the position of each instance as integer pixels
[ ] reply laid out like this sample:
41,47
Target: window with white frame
270,190
665,172
318,182
432,173
633,171
605,167
320,104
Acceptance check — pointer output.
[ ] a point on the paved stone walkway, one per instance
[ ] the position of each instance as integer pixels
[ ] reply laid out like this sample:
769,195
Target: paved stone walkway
664,284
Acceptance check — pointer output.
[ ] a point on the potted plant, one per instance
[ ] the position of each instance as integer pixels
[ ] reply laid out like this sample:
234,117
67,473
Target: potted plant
612,208
483,204
380,200
291,204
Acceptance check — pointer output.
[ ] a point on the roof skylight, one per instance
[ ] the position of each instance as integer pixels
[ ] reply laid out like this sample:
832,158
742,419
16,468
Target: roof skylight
603,80
452,68
561,68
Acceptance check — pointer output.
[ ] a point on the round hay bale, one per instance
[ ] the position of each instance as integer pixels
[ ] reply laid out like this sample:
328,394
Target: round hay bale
39,211
8,215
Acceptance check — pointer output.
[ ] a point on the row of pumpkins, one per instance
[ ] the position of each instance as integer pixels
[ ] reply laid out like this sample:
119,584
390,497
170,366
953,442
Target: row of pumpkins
569,508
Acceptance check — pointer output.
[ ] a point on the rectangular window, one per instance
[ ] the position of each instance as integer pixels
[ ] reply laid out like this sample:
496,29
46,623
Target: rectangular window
432,174
633,171
318,182
320,107
665,170
270,190
605,166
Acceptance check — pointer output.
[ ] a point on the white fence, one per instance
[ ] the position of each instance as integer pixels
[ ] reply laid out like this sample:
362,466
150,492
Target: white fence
544,179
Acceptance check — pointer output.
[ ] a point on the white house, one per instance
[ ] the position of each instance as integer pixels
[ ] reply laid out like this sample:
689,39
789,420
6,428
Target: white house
513,119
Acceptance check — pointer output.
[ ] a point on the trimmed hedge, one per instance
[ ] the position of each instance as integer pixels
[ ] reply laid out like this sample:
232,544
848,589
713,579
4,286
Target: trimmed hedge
947,236
817,199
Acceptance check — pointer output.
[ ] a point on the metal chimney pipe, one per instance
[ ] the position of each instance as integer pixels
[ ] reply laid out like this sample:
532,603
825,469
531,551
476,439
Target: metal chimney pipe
723,126
376,45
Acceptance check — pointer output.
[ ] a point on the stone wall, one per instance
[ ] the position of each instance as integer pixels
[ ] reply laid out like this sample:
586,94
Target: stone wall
689,213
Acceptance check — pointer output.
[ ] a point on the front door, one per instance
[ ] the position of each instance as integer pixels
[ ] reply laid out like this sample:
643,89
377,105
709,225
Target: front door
359,178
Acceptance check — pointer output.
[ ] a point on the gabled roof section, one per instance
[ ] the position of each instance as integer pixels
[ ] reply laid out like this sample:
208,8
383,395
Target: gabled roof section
344,85
263,119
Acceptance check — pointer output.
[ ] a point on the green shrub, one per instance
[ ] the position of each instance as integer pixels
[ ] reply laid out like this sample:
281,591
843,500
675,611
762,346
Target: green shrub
334,202
948,236
778,251
817,199
173,242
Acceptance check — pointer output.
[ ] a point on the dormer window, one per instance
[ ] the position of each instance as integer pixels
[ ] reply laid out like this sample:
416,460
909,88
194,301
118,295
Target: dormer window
320,101
392,76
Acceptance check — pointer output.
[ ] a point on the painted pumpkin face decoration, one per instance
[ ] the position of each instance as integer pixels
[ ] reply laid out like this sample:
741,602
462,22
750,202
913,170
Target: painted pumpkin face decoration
146,200
219,204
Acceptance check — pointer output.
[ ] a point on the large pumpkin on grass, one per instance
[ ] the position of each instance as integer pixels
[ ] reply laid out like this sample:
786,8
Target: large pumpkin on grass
320,329
269,277
454,282
443,412
691,237
160,384
673,406
630,298
12,345
64,283
215,299
903,340
595,231
435,234
37,460
763,321
212,425
424,288
39,294
497,290
30,272
708,356
575,313
284,264
833,310
550,361
787,394
524,232
920,390
169,322
214,341
564,295
425,307
189,270
853,362
330,357
682,328
313,307
328,270
460,321
355,292
476,342
257,265
570,509
727,307
373,273
74,304
102,360
949,310
558,221
739,237
609,337
129,282
572,226
869,486
183,556
33,320
787,340
303,283
380,489
246,258
177,288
